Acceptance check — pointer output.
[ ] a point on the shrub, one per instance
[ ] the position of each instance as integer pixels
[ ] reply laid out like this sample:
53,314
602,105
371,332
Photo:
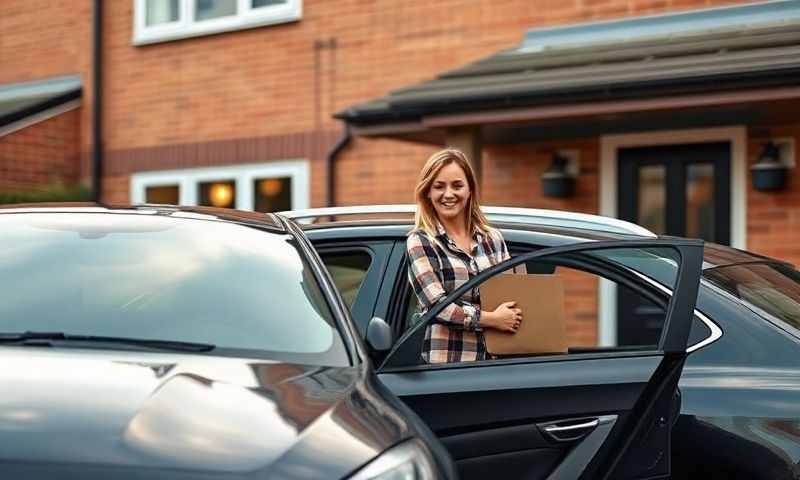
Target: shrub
51,193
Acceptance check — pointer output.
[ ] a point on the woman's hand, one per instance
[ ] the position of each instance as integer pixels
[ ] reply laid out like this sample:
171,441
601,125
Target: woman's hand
506,317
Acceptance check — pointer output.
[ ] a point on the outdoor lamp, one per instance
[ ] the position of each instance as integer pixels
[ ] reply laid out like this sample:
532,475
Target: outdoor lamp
557,182
768,173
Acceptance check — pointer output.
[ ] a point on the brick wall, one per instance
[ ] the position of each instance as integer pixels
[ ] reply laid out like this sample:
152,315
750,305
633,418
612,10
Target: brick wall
41,154
45,38
773,218
273,80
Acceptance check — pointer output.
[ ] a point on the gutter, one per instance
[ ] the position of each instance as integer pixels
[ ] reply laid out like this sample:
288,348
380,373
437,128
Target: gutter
97,100
330,163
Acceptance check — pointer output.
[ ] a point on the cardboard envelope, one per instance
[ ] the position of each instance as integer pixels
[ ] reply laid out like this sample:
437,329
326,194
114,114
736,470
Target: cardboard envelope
541,298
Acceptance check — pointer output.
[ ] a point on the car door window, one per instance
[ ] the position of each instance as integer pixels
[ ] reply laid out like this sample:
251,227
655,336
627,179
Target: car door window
348,270
581,273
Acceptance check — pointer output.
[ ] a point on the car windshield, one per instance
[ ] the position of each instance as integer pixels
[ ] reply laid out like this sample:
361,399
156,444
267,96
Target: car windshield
770,289
244,290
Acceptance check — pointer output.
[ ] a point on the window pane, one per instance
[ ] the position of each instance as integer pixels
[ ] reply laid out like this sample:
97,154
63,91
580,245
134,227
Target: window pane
769,289
267,3
218,194
272,194
653,198
560,310
208,9
348,271
161,11
168,194
700,201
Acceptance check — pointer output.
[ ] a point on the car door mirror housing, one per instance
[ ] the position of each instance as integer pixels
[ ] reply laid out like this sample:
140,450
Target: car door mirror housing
379,334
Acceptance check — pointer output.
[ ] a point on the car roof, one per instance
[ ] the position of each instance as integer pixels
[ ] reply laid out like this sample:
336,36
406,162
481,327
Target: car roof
257,219
715,255
532,216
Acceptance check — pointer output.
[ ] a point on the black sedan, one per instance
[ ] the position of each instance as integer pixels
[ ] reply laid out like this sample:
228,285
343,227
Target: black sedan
736,413
167,343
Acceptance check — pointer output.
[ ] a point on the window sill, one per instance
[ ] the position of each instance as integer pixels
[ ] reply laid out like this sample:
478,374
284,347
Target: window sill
142,38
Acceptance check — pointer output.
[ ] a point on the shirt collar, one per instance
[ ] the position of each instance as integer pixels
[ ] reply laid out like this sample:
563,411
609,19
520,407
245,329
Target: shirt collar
477,234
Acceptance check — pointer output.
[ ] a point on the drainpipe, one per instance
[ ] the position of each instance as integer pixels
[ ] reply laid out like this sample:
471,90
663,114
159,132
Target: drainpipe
97,100
331,163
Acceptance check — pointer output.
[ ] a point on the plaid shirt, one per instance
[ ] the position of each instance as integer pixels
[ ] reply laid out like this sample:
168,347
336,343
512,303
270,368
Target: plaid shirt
437,266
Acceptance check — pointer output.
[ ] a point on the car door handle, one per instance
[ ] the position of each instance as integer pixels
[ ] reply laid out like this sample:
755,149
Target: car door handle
569,432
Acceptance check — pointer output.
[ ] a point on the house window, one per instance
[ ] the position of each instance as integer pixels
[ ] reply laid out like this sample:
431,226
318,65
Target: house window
164,20
220,194
272,194
166,194
267,187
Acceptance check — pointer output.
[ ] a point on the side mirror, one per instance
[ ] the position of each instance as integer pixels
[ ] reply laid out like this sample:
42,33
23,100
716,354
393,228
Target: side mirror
379,335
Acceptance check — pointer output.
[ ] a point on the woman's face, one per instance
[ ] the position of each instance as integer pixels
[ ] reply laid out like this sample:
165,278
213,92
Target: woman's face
449,192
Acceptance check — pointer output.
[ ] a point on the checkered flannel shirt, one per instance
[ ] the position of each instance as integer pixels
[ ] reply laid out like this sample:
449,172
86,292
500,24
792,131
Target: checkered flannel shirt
437,266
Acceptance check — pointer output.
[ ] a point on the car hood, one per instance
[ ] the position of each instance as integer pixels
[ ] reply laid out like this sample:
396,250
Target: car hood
178,414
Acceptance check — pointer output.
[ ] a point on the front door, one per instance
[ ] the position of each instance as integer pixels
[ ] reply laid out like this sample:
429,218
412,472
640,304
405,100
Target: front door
676,190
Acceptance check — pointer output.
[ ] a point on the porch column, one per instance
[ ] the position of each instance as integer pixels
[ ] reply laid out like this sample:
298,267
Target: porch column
469,141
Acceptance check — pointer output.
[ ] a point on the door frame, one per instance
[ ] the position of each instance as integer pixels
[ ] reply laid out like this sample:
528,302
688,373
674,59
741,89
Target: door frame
609,146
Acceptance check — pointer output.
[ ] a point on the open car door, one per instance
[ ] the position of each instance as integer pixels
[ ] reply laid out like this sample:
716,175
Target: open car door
603,413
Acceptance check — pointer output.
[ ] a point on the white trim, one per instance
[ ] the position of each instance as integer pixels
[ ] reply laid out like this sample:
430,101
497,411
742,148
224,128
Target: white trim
609,144
715,332
243,175
186,26
39,117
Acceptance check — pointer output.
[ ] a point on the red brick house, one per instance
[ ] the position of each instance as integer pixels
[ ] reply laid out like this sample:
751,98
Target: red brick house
660,107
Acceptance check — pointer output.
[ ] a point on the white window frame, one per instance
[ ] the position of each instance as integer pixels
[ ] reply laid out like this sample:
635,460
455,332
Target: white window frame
243,176
186,26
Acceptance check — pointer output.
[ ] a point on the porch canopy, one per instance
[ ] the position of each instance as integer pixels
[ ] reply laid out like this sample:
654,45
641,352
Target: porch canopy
25,103
733,65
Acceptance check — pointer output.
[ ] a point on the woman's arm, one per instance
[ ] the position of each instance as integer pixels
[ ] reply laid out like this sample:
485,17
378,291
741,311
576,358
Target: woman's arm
459,314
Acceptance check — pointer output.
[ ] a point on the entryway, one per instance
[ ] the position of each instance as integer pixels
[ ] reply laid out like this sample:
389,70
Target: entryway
676,190
674,182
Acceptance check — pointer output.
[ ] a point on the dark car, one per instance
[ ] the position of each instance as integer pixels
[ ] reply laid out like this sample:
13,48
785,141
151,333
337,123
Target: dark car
735,412
169,343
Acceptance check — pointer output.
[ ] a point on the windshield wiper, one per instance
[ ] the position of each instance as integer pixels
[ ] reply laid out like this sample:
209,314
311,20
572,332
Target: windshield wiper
38,338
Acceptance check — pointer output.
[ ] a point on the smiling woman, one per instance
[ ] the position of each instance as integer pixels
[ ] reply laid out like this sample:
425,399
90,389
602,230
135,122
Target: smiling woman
157,278
453,242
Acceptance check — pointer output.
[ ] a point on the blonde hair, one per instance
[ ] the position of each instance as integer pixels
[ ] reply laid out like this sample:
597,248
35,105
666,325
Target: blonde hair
425,217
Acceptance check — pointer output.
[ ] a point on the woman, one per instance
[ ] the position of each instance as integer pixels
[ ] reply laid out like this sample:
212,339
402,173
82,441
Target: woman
451,243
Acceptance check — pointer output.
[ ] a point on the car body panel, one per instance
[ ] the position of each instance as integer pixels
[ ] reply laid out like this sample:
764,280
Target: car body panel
177,412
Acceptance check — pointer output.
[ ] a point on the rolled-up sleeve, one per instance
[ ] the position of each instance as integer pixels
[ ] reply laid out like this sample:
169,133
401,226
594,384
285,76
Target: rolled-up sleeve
500,248
428,287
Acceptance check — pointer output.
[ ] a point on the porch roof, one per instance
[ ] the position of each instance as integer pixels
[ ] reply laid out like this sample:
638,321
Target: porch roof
21,101
722,50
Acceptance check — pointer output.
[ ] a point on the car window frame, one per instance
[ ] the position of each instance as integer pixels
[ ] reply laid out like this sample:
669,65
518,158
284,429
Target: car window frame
345,326
364,305
400,296
676,244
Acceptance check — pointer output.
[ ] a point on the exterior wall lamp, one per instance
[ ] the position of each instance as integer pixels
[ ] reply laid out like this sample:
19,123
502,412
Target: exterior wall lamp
769,173
558,181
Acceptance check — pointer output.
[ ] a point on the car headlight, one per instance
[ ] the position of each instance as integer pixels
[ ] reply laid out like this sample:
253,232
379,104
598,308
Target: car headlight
408,461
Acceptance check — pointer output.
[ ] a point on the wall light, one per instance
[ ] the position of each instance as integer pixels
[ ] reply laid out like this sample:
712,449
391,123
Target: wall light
769,172
558,181
220,195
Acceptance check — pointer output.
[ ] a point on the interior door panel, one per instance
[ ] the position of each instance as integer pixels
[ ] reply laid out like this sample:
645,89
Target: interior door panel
492,416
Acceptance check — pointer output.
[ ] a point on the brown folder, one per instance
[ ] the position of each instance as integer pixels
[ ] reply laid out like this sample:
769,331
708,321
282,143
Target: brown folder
541,298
